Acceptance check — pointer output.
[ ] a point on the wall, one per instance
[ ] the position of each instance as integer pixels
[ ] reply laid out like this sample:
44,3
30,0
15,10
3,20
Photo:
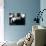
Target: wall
29,7
1,21
43,6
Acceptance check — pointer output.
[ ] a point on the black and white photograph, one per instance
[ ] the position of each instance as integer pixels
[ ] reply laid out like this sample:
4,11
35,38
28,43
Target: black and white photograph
16,19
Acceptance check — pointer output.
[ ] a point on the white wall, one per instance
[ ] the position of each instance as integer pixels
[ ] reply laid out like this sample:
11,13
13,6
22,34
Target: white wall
1,21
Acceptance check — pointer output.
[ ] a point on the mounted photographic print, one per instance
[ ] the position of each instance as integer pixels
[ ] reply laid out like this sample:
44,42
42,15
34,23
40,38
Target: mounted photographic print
16,19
